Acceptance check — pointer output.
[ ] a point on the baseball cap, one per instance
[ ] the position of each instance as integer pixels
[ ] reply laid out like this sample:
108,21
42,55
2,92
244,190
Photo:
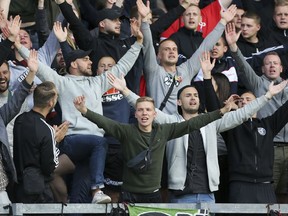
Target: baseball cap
107,13
76,54
238,3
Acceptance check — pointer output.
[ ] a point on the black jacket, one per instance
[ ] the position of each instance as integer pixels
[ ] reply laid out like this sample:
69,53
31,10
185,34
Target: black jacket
248,48
250,147
104,45
34,144
280,37
188,41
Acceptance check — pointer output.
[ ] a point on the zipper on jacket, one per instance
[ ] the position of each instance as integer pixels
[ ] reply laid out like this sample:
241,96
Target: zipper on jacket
256,145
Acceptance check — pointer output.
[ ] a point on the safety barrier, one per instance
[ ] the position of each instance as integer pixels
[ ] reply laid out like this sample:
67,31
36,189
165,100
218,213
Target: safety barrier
19,209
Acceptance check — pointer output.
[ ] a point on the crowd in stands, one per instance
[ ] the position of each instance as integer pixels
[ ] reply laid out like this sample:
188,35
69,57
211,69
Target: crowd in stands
195,88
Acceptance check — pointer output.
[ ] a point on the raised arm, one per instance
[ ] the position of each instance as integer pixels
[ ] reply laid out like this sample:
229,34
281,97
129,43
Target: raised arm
44,73
48,51
251,80
167,19
125,64
9,110
11,31
211,99
193,63
82,35
5,4
42,25
225,3
61,34
150,59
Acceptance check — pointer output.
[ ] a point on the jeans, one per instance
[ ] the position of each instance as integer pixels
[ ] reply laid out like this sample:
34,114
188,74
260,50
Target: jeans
80,147
192,198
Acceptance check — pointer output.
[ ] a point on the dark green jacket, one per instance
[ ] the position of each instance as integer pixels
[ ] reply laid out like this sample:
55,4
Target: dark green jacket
134,141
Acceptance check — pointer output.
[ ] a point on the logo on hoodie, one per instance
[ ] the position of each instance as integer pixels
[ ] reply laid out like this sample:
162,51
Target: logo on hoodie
262,131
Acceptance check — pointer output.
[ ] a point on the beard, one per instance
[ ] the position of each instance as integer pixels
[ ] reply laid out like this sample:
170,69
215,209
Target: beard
3,89
110,32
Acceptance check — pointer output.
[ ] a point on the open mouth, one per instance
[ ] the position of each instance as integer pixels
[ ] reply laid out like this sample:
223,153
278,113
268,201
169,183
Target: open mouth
214,53
3,83
144,119
193,103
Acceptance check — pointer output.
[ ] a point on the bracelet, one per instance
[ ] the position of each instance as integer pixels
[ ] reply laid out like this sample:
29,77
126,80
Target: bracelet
268,96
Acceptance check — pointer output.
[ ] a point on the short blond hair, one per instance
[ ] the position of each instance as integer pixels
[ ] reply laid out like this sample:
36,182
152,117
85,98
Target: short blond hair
145,99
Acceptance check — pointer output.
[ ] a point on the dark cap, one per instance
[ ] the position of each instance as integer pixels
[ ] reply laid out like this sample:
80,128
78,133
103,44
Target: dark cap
76,54
157,12
107,13
238,3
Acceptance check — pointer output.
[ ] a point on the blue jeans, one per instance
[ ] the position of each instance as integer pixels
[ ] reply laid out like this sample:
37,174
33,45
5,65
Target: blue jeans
80,147
192,198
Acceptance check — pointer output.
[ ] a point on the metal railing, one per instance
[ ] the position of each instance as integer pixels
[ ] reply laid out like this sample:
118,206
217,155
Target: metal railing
19,209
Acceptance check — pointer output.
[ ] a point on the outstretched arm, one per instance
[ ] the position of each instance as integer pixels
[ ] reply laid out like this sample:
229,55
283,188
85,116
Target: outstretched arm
232,119
110,126
275,89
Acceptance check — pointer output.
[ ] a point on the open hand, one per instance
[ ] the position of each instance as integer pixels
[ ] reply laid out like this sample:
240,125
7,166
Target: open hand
118,83
59,32
275,89
32,61
206,65
228,15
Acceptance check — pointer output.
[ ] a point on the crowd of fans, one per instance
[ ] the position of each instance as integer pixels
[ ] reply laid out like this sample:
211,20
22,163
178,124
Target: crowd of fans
198,85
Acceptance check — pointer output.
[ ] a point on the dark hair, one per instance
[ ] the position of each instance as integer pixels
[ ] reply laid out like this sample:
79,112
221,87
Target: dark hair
248,92
252,15
6,62
224,39
43,93
134,12
100,4
179,93
223,84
